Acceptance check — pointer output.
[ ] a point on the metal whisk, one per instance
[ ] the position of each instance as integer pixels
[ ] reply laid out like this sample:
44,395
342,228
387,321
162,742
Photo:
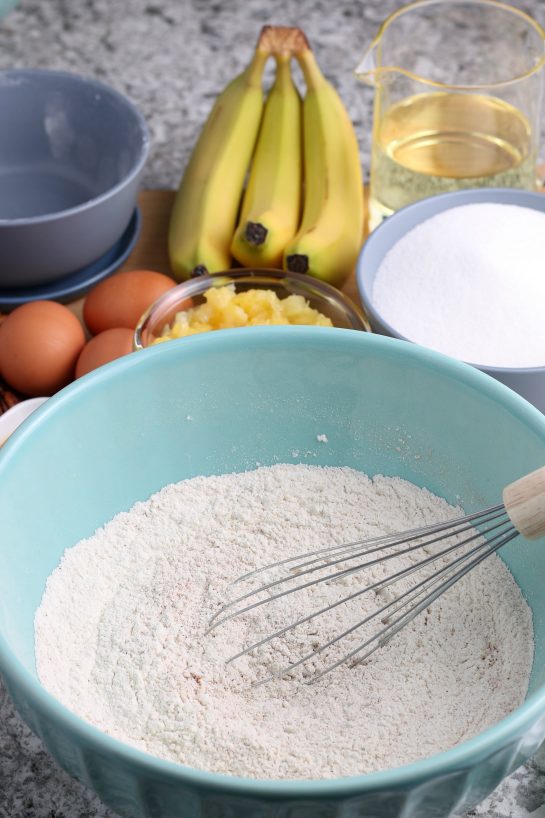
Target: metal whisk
457,545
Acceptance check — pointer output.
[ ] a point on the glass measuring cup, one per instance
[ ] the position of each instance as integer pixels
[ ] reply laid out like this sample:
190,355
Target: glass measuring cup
458,86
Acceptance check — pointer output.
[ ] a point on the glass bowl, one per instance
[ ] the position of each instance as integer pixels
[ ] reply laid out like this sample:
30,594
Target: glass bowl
329,301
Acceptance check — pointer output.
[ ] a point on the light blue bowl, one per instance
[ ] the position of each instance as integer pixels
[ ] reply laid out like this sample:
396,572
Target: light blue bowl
120,433
527,381
7,5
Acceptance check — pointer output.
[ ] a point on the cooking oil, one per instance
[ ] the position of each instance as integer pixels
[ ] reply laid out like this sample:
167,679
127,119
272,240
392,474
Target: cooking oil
437,142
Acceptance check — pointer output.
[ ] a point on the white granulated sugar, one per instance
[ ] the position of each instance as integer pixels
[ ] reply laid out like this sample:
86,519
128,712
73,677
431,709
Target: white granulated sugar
120,633
470,282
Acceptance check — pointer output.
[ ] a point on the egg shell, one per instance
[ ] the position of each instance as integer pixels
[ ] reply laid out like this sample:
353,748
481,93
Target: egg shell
119,301
103,348
39,345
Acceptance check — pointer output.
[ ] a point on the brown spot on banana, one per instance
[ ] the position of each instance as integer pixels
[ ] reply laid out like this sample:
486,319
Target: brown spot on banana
255,233
297,263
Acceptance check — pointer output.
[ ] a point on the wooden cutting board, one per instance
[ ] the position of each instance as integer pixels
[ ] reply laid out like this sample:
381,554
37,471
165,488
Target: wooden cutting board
150,252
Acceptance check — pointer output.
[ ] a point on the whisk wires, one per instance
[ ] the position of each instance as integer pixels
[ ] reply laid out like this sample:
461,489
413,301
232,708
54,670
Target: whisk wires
486,532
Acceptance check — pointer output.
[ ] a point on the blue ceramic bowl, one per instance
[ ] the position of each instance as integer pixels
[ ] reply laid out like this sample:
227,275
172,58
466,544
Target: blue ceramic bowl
528,382
256,394
72,151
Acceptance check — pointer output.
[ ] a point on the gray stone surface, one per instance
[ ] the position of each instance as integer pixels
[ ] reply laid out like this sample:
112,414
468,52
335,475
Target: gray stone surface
172,57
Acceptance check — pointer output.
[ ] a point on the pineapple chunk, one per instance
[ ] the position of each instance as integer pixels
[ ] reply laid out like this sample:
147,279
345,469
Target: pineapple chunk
224,308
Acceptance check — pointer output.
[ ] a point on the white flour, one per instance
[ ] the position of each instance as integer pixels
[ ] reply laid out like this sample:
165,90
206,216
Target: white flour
119,634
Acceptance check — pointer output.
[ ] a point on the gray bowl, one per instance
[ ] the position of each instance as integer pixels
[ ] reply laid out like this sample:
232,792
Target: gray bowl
528,382
72,151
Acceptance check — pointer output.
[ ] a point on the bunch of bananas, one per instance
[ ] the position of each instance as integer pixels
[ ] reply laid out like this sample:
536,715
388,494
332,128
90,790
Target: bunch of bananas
302,207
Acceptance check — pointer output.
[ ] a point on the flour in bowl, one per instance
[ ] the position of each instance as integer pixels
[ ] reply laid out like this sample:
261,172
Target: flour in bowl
120,633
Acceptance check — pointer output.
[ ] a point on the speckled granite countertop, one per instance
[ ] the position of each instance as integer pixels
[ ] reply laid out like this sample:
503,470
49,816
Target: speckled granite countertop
171,58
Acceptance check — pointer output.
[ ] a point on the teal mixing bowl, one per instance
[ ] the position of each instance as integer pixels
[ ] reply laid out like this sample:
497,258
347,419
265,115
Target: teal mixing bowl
6,5
120,433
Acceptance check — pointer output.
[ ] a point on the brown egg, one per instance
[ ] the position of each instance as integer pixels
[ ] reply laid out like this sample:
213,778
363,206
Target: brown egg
119,301
103,348
39,346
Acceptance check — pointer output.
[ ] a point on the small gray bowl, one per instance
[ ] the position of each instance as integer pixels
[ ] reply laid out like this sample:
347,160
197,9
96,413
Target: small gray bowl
528,382
72,151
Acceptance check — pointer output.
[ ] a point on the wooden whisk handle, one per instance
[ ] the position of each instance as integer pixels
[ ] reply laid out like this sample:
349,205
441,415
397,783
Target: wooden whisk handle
524,501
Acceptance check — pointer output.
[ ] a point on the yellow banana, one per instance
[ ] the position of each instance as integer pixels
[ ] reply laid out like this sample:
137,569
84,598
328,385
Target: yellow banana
331,231
272,203
205,209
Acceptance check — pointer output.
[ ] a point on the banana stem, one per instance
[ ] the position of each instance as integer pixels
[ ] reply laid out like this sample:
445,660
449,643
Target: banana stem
282,40
311,71
254,71
283,69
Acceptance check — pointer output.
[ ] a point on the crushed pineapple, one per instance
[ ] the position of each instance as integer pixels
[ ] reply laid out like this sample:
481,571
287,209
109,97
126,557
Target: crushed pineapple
225,309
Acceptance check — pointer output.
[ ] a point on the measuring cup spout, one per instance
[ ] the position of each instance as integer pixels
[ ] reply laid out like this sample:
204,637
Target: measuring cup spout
367,69
371,72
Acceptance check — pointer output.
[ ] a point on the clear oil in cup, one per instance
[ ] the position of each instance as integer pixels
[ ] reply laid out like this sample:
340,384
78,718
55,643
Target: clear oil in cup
439,142
458,89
